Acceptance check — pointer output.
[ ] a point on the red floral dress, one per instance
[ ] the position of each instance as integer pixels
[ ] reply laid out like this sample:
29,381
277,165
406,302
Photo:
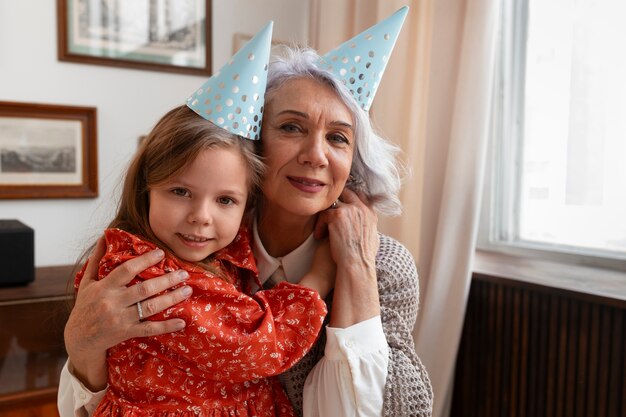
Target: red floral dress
220,364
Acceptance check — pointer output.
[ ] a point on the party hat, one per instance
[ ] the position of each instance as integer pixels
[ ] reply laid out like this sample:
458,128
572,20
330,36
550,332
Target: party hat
233,97
360,62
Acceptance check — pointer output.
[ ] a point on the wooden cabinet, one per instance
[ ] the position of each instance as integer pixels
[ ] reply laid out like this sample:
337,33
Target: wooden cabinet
32,353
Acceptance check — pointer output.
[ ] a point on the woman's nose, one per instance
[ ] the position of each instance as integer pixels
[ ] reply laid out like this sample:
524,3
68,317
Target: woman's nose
314,150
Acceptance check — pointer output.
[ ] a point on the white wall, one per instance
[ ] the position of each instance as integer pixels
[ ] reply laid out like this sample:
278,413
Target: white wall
129,102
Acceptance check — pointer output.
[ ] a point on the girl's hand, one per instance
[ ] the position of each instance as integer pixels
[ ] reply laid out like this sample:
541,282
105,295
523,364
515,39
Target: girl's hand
105,312
322,275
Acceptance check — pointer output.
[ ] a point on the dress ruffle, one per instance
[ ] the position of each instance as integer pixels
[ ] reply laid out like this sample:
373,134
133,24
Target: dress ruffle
272,402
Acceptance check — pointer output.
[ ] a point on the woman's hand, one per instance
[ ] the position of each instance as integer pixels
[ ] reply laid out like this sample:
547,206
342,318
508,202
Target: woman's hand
351,228
105,312
323,271
353,238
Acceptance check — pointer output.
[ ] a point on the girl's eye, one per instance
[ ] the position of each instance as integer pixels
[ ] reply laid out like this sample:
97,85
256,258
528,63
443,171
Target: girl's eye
227,201
182,192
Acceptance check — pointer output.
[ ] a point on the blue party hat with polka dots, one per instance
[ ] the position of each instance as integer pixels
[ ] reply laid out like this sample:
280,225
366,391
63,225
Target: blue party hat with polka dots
233,97
360,62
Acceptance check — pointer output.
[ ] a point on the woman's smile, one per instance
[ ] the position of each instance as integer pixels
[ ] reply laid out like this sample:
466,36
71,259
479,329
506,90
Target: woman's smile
308,185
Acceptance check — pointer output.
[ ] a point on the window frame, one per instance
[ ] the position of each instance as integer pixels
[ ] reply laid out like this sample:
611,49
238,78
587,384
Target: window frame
499,225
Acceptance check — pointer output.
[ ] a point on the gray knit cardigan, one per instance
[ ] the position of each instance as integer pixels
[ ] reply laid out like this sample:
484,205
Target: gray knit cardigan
407,390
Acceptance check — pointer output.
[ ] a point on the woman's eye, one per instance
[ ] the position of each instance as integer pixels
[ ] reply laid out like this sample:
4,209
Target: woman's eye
290,128
227,201
339,138
182,192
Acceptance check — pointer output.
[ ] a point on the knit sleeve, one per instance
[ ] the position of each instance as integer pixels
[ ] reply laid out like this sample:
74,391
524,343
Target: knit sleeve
407,391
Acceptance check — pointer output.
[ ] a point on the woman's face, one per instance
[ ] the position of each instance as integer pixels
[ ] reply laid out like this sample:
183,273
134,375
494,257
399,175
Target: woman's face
308,145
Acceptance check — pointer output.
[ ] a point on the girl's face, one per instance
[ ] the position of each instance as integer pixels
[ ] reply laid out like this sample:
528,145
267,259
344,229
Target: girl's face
308,145
199,211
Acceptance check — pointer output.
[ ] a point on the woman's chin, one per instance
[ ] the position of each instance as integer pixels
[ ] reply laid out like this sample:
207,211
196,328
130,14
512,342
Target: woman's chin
305,208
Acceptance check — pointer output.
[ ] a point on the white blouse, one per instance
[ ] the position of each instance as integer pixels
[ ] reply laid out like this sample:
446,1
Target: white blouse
348,381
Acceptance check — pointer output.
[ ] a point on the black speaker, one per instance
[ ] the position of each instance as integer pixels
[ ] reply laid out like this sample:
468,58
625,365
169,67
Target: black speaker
17,253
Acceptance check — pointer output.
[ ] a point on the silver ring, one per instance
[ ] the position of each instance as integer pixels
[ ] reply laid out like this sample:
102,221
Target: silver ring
139,310
335,204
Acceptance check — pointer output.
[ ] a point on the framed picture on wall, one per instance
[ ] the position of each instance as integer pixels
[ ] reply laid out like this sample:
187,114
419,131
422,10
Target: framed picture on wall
47,151
159,35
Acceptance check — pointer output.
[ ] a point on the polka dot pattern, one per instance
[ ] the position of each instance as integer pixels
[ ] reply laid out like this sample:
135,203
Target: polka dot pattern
224,99
360,62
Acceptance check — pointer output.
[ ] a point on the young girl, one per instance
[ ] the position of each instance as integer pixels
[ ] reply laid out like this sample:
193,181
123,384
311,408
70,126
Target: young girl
186,192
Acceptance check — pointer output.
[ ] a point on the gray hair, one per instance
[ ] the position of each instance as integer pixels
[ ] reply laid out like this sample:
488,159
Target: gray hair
374,167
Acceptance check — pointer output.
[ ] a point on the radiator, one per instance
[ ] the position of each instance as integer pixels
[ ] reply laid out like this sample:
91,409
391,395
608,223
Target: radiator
532,351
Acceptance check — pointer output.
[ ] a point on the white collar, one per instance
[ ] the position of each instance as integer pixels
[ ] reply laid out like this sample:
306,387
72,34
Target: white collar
295,264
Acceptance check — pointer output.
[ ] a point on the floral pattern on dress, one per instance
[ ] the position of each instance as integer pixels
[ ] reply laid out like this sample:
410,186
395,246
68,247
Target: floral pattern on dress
224,362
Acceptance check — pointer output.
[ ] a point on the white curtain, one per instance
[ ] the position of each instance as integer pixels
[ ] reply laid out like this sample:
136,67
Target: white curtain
433,101
452,199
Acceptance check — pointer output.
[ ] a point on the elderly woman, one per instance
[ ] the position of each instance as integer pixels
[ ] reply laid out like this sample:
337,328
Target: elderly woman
315,139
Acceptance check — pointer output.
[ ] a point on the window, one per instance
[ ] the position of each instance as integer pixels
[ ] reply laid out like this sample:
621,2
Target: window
557,172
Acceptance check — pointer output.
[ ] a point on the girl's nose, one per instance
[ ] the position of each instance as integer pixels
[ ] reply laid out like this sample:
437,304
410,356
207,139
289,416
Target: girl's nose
201,214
